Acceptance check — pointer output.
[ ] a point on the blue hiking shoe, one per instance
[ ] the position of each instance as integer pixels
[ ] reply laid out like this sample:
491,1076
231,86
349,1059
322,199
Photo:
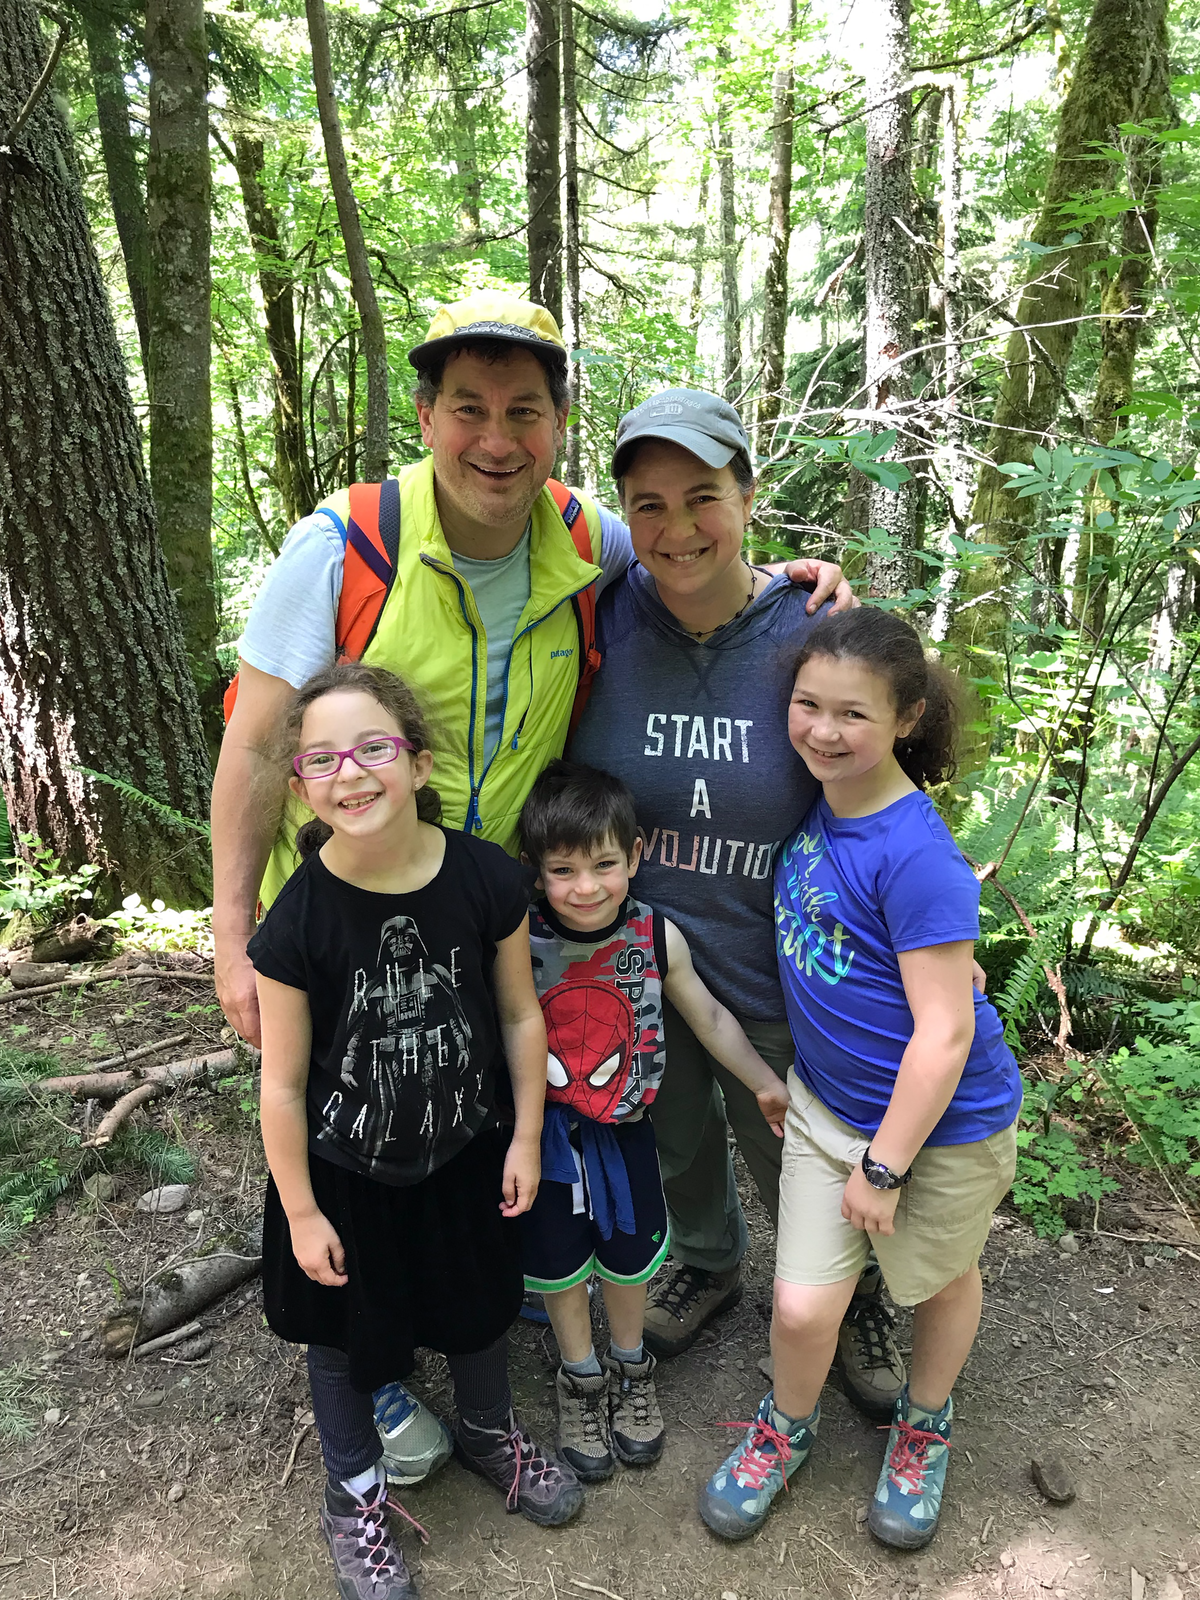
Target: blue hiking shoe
735,1500
415,1442
908,1496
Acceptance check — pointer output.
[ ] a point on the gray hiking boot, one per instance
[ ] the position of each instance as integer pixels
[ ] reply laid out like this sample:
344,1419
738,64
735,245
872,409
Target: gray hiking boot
683,1304
367,1562
533,1481
583,1440
868,1363
637,1428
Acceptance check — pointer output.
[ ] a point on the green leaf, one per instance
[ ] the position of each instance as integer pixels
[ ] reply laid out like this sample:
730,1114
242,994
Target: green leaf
1161,470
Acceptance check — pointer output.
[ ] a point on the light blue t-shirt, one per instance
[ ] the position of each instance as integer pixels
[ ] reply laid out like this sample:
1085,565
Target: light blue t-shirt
501,591
850,894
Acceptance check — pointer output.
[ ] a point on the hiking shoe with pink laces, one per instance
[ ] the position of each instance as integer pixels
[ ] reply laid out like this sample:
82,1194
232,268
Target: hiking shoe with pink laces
532,1479
908,1496
736,1499
367,1562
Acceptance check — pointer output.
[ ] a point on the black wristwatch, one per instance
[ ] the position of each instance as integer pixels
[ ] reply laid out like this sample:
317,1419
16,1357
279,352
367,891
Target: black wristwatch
881,1177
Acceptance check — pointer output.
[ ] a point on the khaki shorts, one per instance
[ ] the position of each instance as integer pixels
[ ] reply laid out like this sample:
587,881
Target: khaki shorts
942,1219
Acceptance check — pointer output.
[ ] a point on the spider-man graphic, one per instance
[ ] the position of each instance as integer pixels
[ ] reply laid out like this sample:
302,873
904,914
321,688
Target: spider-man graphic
590,1033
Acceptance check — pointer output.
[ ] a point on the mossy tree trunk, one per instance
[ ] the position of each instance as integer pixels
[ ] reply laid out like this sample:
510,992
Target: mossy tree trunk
731,314
178,188
775,279
93,670
542,165
101,30
1116,81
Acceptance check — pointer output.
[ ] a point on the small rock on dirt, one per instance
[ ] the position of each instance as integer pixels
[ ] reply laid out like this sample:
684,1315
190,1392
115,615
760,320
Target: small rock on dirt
171,1197
1068,1244
151,1397
1137,1584
27,974
767,1367
1169,1589
101,1186
194,1349
1054,1478
176,1493
53,1417
194,1219
1007,1559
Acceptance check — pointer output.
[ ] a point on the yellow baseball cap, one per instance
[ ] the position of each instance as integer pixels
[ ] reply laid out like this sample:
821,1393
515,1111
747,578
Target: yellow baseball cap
489,315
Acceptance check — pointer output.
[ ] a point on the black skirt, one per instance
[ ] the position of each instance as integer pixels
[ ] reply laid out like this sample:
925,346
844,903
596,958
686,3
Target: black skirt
434,1264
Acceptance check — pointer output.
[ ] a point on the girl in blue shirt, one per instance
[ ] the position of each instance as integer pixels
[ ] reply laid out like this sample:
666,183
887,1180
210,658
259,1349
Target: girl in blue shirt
901,1132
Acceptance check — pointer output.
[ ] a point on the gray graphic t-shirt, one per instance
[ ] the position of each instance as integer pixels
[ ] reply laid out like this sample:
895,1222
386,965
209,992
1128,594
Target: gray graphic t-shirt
699,733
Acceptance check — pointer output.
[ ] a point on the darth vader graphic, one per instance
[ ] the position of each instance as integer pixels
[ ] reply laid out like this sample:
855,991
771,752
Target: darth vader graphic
591,1035
408,1054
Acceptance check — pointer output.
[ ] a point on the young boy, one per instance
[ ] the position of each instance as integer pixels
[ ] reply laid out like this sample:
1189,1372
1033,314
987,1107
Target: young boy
602,962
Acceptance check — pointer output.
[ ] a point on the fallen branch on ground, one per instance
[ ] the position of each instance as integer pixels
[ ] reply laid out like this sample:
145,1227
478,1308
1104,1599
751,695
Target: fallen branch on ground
180,1295
78,983
110,1085
129,1056
122,1111
165,1340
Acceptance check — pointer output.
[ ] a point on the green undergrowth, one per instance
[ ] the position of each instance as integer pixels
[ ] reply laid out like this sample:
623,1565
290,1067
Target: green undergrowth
22,1396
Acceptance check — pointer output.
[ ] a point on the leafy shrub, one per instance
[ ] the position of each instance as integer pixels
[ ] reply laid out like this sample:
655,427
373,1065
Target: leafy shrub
1051,1172
1157,1085
156,927
37,885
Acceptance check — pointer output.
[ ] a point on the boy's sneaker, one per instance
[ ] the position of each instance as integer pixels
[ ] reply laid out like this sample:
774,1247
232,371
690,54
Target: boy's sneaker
415,1442
908,1496
583,1437
868,1363
735,1500
532,1480
684,1303
636,1423
367,1562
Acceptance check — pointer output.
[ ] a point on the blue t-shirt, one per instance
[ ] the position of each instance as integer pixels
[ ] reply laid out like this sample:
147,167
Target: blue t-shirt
851,892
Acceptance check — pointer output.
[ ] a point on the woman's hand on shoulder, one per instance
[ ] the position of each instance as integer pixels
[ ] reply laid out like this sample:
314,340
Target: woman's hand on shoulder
522,1175
830,584
773,1103
317,1248
872,1210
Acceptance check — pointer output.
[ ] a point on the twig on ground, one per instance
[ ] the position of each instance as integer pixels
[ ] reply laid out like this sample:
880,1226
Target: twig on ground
91,977
849,1565
1146,1238
110,1085
176,1336
291,1460
139,1054
121,1112
593,1588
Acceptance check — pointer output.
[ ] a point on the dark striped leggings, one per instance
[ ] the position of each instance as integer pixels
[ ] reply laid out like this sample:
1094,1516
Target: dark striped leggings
345,1416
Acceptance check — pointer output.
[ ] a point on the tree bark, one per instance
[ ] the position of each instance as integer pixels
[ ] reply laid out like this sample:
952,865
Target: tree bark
888,256
700,235
542,175
730,308
571,174
775,283
374,344
93,670
125,191
956,368
178,194
293,474
466,161
1118,79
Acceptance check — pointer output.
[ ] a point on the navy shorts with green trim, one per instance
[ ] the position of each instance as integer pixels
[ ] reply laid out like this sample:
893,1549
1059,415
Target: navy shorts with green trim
561,1248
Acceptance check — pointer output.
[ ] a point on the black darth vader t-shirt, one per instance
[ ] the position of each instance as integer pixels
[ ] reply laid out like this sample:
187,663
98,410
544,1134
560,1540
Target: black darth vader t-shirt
405,1041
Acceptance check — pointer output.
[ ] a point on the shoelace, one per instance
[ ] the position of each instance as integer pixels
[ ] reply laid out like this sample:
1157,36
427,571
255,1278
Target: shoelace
396,1408
872,1325
908,1462
589,1405
538,1467
756,1465
681,1291
636,1391
373,1544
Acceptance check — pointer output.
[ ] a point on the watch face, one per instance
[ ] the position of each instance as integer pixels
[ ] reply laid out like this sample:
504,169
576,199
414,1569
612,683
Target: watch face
878,1177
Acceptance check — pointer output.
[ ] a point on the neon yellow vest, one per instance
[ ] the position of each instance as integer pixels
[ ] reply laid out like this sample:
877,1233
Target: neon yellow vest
431,634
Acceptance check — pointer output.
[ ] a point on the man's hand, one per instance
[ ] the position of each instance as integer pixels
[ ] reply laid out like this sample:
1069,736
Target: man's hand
522,1174
773,1103
872,1210
237,991
978,977
317,1248
827,576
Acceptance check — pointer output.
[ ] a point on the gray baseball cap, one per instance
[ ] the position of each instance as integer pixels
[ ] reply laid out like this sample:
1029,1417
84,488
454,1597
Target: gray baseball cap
702,423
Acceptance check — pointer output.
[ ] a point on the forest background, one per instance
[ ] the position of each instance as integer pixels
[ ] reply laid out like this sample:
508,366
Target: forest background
946,263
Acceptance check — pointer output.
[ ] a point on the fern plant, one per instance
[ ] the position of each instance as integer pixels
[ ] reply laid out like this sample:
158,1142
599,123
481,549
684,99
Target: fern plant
165,813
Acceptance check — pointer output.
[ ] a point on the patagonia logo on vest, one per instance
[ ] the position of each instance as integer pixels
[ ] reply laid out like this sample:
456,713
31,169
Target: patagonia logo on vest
555,654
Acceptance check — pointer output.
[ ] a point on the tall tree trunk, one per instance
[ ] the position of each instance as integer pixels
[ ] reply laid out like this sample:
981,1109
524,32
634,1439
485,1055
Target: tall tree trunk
1119,76
730,308
700,237
466,161
374,344
956,369
93,670
125,191
293,473
775,283
542,175
888,256
178,193
574,329
1122,304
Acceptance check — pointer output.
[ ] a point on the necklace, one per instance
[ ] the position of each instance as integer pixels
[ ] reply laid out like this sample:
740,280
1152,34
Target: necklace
704,633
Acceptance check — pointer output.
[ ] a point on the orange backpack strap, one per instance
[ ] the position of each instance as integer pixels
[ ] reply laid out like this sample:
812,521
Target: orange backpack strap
370,544
585,601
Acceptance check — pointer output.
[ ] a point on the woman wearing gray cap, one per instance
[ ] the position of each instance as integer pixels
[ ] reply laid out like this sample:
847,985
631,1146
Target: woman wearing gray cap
690,710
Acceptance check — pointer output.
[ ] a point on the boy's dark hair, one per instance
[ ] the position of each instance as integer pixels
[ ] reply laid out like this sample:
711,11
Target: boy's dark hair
430,373
573,807
886,644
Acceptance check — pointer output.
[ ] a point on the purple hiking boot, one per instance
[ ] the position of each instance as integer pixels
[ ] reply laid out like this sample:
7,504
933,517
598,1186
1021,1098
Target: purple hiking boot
532,1480
367,1562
